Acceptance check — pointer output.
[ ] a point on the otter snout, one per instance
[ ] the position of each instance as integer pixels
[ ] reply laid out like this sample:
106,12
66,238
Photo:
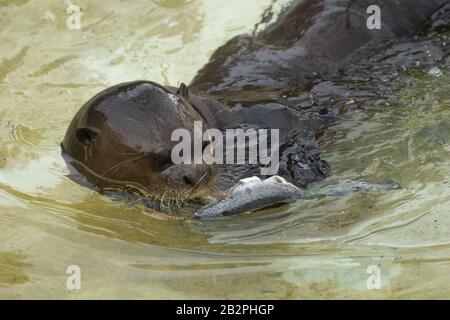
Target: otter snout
193,178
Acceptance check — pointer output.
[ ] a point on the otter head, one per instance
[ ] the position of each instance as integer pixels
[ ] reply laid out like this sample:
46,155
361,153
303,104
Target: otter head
121,138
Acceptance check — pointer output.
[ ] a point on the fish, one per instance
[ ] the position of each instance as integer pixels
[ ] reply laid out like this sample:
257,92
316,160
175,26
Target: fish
253,194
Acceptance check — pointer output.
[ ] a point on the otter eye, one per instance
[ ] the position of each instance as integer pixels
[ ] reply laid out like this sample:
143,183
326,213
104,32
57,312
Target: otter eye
162,163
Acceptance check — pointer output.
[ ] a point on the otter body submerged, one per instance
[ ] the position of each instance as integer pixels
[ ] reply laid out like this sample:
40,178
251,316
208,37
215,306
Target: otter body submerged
122,136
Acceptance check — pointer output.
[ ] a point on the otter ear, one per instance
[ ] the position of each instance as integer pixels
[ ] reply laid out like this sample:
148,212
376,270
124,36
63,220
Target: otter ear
86,135
183,91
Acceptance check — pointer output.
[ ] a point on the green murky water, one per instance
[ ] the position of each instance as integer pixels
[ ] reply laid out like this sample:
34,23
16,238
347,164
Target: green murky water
311,249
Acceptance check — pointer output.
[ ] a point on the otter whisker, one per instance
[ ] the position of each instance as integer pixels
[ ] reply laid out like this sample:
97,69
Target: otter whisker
162,198
194,188
132,166
120,164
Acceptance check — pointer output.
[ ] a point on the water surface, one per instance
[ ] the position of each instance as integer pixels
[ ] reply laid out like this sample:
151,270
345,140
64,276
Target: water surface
311,249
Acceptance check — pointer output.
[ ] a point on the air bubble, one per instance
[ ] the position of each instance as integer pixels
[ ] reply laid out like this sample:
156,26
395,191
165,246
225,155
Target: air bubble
435,72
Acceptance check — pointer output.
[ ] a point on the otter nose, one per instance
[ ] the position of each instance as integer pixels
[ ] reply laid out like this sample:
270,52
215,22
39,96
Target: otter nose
188,177
196,175
190,181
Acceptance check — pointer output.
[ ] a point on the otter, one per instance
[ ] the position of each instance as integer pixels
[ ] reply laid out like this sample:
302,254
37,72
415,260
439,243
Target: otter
121,138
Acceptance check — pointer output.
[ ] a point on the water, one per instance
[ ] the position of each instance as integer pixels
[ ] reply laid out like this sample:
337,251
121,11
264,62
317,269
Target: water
315,248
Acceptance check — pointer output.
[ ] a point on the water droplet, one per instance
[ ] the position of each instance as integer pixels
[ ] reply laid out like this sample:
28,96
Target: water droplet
435,72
